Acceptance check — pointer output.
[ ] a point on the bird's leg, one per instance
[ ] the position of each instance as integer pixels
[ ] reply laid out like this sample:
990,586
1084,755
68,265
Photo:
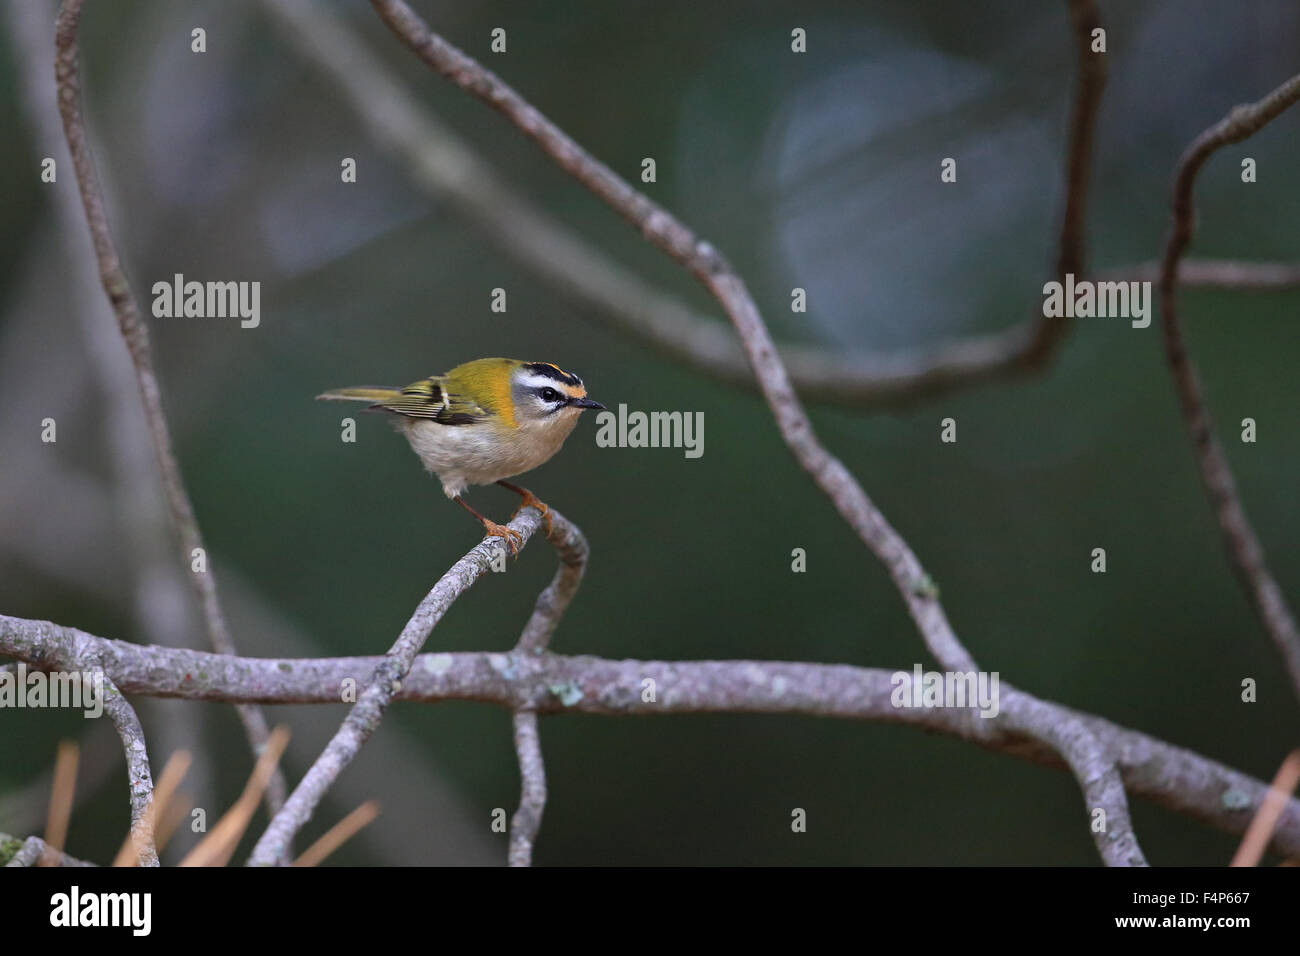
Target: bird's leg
513,538
530,500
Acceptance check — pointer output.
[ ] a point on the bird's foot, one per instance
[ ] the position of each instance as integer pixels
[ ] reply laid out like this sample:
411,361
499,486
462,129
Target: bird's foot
530,500
514,540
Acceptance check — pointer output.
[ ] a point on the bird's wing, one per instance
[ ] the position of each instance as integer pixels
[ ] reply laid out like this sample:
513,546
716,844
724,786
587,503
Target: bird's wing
430,398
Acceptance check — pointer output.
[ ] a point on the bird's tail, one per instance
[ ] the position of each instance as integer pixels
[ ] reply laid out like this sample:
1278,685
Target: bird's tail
363,393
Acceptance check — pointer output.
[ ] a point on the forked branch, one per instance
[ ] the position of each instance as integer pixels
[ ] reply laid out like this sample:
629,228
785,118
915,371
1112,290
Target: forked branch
669,234
1242,544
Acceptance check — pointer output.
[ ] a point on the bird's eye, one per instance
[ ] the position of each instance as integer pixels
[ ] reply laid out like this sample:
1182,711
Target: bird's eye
549,394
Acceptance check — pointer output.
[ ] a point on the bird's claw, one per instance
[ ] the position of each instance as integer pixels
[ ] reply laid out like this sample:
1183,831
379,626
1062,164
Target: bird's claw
514,540
530,500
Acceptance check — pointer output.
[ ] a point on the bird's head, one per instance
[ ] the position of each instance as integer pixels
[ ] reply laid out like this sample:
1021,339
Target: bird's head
510,394
541,392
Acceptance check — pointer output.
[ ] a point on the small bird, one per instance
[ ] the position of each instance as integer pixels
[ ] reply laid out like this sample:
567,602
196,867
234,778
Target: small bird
483,422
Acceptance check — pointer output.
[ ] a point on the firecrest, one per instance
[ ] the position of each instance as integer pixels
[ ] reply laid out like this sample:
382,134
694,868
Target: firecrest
483,422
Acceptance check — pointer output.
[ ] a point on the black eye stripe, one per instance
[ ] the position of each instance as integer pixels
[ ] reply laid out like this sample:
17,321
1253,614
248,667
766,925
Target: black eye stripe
547,370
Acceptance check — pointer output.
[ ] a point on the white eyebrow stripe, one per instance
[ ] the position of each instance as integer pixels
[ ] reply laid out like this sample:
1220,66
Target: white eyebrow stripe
541,381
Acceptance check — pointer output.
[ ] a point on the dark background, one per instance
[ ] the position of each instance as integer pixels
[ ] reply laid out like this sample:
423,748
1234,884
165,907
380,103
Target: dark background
816,170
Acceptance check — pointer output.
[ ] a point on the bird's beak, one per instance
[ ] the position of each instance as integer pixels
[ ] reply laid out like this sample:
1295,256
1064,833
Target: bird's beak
585,403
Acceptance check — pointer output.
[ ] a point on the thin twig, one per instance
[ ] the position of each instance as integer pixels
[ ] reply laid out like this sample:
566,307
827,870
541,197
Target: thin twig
139,776
53,648
339,834
548,683
1094,769
527,820
667,233
36,852
1243,546
571,548
1227,274
156,813
448,168
136,336
144,528
706,264
364,717
1255,842
1071,253
1071,250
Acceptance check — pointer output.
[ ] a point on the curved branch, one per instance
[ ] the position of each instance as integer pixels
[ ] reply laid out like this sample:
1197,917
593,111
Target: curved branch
674,238
447,167
139,774
1242,544
547,683
54,648
571,548
135,334
1094,769
1071,249
670,235
388,674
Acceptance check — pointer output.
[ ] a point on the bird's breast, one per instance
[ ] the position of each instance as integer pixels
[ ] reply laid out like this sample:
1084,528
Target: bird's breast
482,454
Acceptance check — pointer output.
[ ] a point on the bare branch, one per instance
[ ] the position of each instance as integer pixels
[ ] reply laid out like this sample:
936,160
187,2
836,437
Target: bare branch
667,233
671,236
136,336
139,776
53,648
1049,333
1226,274
159,804
36,852
532,798
364,718
547,683
1086,745
447,167
1093,767
1071,251
571,548
137,501
1244,549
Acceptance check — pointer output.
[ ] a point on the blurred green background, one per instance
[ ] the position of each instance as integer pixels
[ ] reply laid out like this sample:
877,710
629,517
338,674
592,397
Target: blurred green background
818,171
